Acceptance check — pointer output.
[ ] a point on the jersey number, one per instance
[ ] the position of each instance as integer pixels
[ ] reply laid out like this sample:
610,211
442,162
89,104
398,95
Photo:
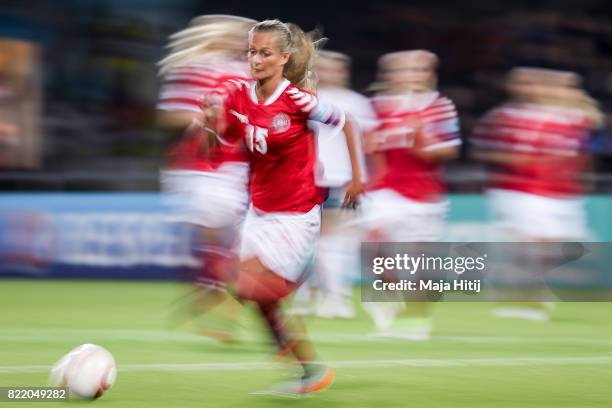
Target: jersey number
255,135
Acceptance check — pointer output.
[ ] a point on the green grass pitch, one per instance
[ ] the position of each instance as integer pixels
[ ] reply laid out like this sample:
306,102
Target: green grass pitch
474,360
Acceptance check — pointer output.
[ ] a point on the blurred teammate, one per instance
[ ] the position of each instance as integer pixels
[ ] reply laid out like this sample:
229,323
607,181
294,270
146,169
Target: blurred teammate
282,224
536,145
207,189
418,130
329,291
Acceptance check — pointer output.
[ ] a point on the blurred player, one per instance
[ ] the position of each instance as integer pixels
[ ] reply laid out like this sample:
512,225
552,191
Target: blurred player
536,146
282,224
418,130
207,189
329,291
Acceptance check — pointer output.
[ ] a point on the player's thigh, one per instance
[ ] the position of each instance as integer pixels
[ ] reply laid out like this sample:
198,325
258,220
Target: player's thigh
259,284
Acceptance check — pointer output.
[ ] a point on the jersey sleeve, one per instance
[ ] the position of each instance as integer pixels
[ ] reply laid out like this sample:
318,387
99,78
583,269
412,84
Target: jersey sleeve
327,114
440,125
223,99
316,110
183,88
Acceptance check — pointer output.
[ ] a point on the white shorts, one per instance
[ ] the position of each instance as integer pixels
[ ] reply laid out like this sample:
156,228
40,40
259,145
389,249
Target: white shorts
400,219
213,199
533,216
283,242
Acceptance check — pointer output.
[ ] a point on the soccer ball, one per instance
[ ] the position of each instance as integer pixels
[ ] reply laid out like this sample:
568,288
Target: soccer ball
87,371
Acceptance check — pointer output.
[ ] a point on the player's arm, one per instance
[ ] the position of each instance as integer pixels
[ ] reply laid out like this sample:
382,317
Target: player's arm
436,147
375,159
355,187
178,124
174,120
438,154
218,122
437,133
330,115
177,106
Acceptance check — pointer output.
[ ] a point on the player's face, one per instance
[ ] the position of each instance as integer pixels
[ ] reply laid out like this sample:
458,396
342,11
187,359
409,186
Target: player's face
413,74
331,72
265,57
523,90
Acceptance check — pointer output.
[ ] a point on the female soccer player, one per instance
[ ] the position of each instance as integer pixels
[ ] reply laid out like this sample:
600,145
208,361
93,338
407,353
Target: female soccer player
536,144
328,292
283,221
208,190
418,130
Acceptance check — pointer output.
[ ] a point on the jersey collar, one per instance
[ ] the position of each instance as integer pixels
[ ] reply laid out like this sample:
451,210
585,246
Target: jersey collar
272,98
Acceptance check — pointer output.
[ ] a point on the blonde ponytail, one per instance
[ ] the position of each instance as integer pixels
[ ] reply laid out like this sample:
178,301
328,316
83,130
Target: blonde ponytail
591,108
302,48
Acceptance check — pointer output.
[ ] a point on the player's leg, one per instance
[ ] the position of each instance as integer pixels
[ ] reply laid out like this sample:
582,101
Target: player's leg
213,203
267,289
337,260
304,302
337,266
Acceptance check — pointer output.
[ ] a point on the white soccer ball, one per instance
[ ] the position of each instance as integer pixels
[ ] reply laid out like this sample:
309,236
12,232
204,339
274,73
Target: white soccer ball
87,371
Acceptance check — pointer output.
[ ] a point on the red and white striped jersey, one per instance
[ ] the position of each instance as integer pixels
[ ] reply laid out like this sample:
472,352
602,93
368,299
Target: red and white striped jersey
408,122
555,137
282,147
183,91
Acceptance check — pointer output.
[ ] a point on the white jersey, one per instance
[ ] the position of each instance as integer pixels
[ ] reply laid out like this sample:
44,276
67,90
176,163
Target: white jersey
333,157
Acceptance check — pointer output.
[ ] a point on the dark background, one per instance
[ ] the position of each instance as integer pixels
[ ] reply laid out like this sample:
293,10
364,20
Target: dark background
99,82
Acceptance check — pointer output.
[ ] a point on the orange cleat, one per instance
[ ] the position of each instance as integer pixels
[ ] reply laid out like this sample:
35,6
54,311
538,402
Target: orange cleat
304,387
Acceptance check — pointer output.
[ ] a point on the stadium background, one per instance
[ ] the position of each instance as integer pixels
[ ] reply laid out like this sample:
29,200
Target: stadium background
81,201
98,80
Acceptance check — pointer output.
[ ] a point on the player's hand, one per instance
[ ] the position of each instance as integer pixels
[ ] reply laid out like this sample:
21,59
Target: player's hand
205,134
212,113
353,191
210,117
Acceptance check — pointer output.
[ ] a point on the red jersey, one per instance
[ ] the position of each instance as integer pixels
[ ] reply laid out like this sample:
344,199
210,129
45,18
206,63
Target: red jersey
554,136
183,91
400,118
282,148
